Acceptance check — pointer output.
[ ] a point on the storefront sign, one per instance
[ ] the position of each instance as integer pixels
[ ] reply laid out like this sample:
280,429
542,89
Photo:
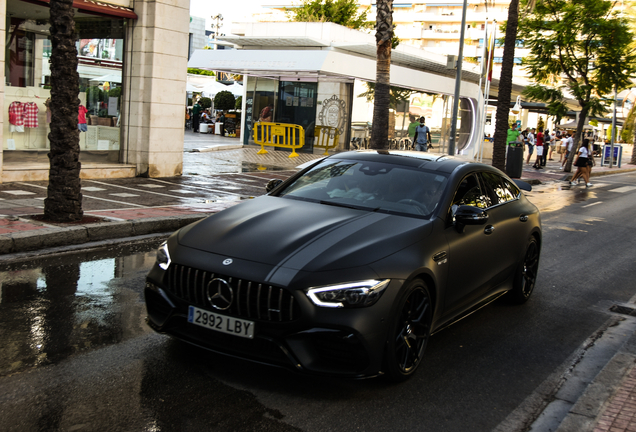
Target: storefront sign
98,8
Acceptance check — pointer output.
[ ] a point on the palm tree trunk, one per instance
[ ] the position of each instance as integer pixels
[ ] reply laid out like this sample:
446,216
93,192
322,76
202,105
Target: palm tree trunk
577,137
384,32
505,88
64,198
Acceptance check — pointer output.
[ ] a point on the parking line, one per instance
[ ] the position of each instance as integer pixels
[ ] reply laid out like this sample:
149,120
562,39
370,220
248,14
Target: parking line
196,187
593,204
141,190
88,196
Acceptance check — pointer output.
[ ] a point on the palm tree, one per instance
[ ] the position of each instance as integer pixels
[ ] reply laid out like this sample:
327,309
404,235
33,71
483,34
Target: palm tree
505,88
64,197
383,36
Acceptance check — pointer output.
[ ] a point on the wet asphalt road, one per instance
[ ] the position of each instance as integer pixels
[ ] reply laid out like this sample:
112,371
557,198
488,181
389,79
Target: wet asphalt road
76,354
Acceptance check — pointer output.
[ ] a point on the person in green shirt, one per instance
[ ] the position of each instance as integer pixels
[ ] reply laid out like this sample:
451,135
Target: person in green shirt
196,116
513,134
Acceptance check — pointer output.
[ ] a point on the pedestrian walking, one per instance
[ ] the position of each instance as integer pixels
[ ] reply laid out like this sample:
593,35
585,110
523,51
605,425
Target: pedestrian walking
412,126
581,164
530,143
422,136
196,116
539,148
569,143
553,144
547,139
562,149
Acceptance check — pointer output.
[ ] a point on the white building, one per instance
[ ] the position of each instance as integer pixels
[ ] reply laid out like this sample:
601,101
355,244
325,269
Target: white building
311,74
132,66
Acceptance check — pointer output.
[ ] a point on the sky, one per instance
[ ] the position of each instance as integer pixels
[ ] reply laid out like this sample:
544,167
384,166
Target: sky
231,10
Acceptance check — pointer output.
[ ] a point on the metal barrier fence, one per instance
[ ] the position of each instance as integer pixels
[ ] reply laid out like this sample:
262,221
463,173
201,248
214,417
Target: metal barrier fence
327,137
283,135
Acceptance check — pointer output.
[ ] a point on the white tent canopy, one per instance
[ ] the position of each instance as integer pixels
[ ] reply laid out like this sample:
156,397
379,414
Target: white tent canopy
573,125
209,86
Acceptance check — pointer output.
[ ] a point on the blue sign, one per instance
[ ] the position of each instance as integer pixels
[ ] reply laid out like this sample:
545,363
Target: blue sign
618,153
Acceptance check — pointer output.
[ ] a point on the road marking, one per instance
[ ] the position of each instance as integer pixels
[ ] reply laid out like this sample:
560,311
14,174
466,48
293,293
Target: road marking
623,189
196,187
593,204
183,191
138,190
152,186
19,192
96,198
124,195
92,189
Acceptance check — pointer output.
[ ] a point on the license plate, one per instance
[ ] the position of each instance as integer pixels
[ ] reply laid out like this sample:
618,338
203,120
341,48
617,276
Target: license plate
221,323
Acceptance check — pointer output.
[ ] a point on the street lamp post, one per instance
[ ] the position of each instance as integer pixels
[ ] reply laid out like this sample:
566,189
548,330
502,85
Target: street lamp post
458,82
217,27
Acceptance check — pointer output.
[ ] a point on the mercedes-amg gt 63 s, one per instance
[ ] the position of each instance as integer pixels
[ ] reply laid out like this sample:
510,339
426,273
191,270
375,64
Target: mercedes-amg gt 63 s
350,265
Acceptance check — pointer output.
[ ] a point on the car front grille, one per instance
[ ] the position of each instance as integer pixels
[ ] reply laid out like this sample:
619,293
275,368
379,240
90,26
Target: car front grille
252,300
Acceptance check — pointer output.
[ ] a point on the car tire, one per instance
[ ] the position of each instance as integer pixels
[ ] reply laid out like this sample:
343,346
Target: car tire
526,274
409,331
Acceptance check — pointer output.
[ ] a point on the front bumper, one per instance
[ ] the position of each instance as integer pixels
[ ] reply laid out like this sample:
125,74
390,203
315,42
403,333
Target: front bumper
338,342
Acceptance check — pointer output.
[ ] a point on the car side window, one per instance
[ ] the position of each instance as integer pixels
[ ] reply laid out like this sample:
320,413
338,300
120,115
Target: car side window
494,187
512,191
470,193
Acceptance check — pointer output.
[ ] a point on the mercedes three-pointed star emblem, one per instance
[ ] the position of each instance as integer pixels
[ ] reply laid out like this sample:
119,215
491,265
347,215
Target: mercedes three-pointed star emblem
220,294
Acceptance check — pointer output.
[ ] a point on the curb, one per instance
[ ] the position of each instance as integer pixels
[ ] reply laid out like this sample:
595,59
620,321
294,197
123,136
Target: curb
218,147
28,241
586,412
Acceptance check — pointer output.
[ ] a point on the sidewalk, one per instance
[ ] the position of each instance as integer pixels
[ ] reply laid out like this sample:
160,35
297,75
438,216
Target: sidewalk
218,172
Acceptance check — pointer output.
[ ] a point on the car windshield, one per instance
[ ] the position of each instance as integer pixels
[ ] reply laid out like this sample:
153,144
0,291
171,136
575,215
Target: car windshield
369,186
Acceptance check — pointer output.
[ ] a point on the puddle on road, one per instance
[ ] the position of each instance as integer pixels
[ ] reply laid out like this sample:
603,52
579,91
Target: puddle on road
54,307
207,164
227,199
556,196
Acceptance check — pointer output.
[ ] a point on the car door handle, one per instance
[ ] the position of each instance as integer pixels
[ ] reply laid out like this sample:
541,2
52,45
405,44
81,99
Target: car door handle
489,229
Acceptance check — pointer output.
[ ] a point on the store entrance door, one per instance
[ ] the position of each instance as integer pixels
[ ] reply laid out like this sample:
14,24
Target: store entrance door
297,105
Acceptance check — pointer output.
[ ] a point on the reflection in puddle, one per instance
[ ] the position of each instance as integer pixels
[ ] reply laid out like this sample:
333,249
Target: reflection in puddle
54,307
228,199
556,196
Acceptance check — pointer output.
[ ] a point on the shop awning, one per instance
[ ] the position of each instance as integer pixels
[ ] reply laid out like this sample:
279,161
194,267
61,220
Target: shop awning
97,7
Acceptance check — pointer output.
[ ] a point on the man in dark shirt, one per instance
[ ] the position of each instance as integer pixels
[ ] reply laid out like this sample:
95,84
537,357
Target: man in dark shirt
196,116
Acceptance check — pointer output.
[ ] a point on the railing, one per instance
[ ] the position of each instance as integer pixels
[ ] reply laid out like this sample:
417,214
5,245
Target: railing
279,135
327,137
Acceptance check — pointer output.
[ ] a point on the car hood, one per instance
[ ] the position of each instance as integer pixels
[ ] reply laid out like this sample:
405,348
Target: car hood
303,235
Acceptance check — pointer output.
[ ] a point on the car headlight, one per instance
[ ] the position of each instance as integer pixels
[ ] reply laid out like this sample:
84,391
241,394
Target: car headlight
348,295
163,256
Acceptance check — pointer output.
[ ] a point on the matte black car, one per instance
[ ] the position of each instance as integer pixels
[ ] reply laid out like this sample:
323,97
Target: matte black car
348,267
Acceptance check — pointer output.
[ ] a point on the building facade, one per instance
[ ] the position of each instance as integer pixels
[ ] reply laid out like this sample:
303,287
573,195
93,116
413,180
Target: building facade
132,68
312,74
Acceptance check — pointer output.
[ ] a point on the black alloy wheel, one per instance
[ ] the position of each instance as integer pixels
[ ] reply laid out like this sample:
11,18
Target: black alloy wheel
410,331
526,276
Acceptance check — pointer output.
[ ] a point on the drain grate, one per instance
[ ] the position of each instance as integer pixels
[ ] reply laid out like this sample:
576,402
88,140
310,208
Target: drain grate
623,310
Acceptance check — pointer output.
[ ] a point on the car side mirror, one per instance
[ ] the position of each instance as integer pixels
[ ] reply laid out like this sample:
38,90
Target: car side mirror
468,215
523,185
272,184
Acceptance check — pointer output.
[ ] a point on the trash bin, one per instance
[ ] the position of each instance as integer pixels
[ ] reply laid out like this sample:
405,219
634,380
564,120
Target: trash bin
514,160
203,128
